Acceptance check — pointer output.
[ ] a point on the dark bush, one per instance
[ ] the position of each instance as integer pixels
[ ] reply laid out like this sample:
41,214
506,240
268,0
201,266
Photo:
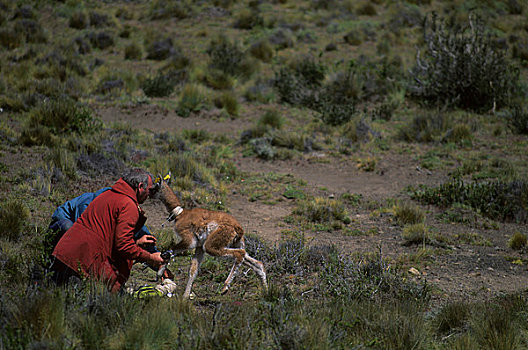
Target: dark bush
64,115
13,217
101,40
78,20
10,38
160,50
462,69
225,55
162,9
248,19
499,200
31,30
297,84
517,119
425,127
281,39
262,50
99,20
83,46
107,86
160,86
133,52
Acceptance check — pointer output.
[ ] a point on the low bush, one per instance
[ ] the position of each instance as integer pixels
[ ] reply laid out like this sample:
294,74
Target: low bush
499,200
248,19
271,118
228,101
516,118
517,241
415,234
262,50
13,219
368,277
160,50
406,213
428,126
161,9
63,116
225,55
322,210
78,20
101,40
452,317
192,99
133,51
161,85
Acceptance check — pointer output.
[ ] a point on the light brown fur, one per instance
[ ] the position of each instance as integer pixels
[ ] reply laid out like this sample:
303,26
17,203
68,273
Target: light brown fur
212,232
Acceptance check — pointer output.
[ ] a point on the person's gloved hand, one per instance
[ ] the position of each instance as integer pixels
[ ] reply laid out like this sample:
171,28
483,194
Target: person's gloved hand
156,260
167,274
146,241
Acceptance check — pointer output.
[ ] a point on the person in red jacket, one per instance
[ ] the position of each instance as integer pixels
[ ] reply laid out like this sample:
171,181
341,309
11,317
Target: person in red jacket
100,244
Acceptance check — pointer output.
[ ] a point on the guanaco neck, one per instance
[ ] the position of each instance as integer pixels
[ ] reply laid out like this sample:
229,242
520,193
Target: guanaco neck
170,200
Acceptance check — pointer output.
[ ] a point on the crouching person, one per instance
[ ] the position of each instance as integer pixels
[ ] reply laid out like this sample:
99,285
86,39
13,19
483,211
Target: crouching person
100,244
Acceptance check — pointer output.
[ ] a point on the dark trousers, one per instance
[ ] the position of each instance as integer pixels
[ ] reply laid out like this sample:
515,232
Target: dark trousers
62,274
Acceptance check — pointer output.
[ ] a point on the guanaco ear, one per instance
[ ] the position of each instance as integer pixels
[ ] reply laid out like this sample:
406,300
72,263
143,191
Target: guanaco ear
167,178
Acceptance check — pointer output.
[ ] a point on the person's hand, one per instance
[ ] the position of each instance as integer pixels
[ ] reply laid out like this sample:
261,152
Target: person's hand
167,274
146,241
156,260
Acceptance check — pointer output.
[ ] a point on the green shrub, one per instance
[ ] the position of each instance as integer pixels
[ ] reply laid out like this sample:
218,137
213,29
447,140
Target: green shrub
225,55
271,118
13,219
218,79
162,9
463,69
160,50
248,19
425,127
322,210
161,85
415,234
10,38
229,102
406,213
79,20
452,317
133,52
192,99
368,277
63,116
263,148
517,119
517,241
31,29
262,50
36,136
64,161
499,200
188,165
101,40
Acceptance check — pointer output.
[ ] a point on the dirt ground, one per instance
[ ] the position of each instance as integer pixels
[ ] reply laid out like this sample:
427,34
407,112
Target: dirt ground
461,271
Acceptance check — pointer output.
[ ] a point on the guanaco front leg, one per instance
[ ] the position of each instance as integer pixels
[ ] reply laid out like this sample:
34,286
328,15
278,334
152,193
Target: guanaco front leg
193,271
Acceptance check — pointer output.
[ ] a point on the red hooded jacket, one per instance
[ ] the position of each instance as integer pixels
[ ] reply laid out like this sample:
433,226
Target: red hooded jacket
100,244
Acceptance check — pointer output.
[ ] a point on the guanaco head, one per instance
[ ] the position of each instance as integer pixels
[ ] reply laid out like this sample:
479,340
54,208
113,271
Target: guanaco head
166,194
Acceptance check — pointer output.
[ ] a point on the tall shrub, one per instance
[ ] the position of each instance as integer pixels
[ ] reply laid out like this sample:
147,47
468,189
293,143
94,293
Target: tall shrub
461,68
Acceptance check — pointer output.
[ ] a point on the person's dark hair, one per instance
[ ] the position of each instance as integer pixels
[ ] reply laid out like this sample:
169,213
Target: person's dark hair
135,176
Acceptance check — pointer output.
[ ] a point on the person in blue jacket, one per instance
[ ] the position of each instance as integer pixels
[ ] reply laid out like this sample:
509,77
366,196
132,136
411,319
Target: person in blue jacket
65,215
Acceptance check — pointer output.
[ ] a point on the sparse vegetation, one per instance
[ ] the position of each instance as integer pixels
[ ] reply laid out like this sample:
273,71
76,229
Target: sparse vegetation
304,119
